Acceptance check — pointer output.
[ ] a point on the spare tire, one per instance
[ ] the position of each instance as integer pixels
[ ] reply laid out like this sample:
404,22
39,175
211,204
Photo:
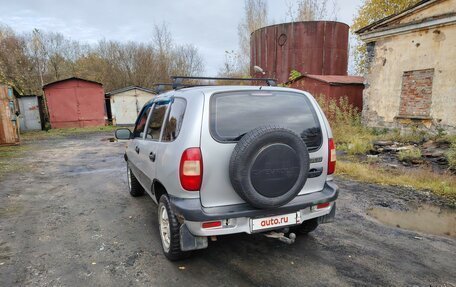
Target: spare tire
269,166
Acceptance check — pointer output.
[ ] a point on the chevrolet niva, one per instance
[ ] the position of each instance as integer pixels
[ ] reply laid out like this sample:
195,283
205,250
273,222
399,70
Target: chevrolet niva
229,159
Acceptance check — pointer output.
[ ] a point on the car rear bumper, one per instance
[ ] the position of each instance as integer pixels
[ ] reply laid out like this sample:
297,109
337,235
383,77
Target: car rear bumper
237,217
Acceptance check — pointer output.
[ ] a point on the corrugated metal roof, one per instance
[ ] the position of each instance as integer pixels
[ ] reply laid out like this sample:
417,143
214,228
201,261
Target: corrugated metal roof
385,20
334,79
128,89
71,78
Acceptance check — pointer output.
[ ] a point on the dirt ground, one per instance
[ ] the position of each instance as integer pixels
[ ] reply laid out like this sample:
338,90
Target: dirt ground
66,219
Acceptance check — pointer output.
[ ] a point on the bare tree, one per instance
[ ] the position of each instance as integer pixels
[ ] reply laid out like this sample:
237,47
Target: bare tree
255,17
39,53
163,43
16,67
28,61
231,67
310,10
145,65
187,61
55,46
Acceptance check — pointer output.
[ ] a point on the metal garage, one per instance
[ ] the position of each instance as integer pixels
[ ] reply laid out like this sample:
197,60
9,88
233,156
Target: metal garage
127,102
75,102
9,128
30,117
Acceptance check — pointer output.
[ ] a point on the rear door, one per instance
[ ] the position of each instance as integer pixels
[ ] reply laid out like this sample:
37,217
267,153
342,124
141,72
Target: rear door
232,114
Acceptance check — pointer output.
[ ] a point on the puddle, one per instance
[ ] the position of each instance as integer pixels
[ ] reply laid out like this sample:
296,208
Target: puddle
426,218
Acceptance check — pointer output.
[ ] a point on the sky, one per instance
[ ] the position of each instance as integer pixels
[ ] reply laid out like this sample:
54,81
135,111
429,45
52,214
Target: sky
210,25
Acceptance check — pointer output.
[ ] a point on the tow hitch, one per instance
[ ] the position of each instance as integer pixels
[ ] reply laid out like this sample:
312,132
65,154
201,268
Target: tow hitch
281,236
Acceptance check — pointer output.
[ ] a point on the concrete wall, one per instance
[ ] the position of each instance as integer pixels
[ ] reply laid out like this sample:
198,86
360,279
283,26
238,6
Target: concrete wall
125,106
433,48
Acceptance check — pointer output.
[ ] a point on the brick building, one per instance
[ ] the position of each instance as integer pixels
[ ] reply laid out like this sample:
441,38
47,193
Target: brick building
411,67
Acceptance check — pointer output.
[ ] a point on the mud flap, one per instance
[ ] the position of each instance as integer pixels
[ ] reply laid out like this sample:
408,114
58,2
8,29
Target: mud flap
328,217
189,241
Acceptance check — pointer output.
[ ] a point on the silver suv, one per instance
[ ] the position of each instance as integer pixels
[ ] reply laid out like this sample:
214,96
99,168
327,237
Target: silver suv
229,159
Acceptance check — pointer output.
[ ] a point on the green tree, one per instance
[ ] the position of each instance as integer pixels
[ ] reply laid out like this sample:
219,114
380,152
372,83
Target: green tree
369,12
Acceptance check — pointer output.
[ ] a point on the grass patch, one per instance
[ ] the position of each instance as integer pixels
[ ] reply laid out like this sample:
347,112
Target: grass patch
409,155
356,145
55,133
348,132
451,155
440,184
8,156
355,139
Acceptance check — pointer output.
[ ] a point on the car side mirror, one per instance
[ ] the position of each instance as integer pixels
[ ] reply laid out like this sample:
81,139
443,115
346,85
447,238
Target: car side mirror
123,134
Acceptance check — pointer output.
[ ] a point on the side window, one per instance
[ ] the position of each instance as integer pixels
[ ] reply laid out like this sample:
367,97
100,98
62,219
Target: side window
141,122
174,123
156,121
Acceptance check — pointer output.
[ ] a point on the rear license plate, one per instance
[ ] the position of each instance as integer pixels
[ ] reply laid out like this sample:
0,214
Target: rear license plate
274,221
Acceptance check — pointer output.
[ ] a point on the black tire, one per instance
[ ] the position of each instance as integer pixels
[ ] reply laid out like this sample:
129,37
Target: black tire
306,227
133,184
173,251
269,166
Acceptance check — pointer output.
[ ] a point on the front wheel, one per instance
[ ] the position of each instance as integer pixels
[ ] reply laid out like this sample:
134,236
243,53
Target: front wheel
169,229
134,186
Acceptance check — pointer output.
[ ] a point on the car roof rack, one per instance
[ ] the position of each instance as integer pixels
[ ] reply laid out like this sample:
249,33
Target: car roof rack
178,80
160,87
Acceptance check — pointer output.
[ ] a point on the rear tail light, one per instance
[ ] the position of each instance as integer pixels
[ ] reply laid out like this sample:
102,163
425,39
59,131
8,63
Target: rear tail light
332,156
323,205
191,169
212,224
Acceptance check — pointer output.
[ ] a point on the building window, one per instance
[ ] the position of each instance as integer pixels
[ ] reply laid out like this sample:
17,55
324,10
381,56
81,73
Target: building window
416,93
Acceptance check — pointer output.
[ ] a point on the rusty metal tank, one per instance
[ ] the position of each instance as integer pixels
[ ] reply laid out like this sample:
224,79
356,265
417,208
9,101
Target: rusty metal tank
312,47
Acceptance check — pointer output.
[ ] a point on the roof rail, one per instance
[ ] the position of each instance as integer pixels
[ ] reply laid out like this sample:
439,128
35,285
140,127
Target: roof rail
178,80
160,87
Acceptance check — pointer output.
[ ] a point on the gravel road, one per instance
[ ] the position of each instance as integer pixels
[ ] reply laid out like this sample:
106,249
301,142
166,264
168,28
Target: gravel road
66,219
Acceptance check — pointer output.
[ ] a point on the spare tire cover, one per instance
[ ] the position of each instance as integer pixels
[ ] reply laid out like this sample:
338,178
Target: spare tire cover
269,166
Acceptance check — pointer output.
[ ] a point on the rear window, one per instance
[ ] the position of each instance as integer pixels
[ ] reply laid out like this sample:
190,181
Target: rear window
175,118
235,113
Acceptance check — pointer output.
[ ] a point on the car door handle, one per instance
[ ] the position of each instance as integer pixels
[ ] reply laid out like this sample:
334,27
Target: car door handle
152,156
137,149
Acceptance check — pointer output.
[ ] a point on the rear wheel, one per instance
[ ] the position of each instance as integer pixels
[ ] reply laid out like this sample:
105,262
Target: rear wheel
305,227
134,186
169,229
